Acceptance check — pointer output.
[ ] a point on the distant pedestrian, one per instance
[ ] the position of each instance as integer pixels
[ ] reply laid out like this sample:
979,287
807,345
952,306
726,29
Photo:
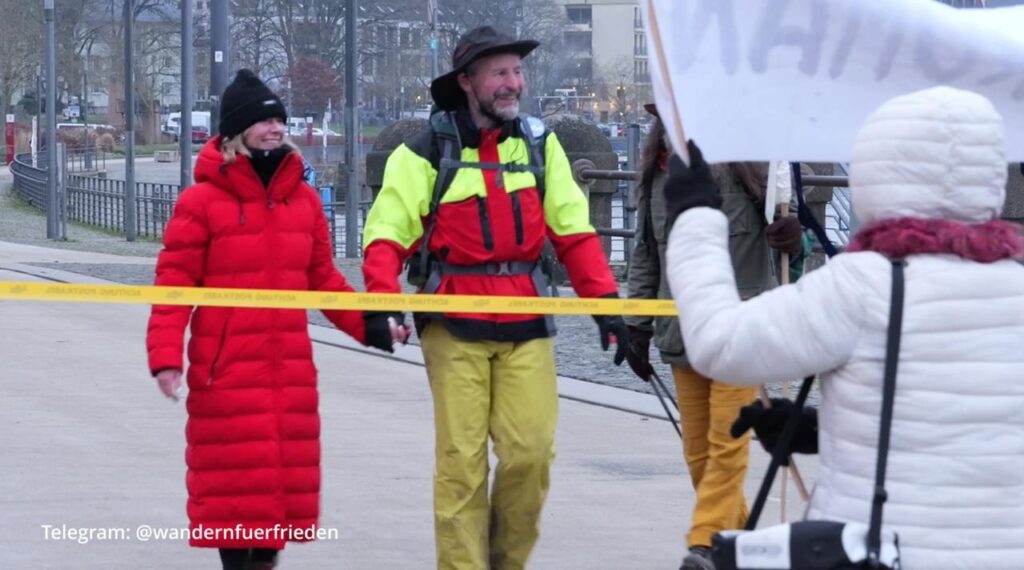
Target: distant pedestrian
253,430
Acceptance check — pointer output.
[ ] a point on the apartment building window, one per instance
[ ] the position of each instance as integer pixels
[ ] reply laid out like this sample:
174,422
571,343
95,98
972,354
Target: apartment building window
639,44
579,42
638,19
580,15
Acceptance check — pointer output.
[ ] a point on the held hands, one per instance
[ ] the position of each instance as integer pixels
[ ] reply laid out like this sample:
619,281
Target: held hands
768,424
169,381
690,186
639,355
385,329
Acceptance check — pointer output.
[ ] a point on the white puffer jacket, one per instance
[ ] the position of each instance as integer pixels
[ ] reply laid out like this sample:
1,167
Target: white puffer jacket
956,466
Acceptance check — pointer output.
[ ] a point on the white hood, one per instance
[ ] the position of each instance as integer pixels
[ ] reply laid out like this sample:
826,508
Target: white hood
931,154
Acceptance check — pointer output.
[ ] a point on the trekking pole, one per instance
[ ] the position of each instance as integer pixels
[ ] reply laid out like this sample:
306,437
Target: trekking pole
661,399
798,479
665,390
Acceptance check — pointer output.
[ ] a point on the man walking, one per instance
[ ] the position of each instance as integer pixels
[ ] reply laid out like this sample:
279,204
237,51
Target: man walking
469,202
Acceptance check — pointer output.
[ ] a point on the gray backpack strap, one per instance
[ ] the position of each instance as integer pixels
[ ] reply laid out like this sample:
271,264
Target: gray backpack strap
447,134
535,134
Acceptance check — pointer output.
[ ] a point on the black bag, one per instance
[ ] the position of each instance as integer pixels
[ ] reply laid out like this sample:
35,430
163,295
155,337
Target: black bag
820,544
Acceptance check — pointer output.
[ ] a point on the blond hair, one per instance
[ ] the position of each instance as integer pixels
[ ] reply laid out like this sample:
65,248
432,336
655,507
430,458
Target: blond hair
233,146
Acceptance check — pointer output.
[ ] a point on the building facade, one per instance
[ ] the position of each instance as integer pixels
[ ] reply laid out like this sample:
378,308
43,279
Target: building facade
608,47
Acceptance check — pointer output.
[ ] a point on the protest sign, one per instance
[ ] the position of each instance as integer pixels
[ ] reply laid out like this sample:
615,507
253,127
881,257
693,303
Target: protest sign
794,79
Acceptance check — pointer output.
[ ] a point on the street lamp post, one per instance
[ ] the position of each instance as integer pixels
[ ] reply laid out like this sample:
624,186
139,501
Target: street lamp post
187,71
219,58
84,107
432,15
52,220
351,132
129,119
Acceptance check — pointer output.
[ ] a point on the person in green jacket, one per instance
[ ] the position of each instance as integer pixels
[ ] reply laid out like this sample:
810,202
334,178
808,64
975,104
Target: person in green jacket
707,407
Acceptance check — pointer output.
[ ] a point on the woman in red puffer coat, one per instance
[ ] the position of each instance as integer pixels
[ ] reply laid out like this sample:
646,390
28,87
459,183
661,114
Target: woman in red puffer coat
253,430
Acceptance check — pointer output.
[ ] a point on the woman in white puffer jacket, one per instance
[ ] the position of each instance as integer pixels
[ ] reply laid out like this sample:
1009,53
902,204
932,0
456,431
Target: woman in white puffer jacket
928,182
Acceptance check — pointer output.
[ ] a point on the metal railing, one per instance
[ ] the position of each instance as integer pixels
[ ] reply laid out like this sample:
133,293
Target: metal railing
94,200
100,202
839,210
86,159
334,209
30,181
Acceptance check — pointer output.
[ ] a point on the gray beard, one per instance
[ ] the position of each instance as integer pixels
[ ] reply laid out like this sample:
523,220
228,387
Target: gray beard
500,116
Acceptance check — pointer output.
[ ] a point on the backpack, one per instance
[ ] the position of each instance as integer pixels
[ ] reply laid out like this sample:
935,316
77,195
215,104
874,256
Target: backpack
421,264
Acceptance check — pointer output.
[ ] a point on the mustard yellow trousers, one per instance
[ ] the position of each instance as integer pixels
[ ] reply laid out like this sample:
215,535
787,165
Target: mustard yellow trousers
505,392
717,462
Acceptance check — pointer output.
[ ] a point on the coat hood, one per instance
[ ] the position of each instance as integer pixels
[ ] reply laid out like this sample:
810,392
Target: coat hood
240,179
935,154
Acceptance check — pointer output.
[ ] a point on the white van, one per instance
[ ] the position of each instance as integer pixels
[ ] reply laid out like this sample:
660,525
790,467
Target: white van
199,119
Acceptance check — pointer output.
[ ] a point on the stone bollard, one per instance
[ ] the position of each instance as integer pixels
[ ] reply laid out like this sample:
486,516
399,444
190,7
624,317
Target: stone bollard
388,140
1013,210
583,140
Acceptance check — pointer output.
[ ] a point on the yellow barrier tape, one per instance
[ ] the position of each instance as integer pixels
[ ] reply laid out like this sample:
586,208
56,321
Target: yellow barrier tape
277,299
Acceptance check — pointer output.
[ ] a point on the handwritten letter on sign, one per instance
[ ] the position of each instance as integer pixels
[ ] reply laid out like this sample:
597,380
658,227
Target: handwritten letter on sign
795,79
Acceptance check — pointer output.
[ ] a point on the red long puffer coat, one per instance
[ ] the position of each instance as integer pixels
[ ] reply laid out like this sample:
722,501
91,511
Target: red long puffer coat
253,429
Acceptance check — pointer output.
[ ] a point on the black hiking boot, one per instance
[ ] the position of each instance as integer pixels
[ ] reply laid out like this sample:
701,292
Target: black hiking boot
699,558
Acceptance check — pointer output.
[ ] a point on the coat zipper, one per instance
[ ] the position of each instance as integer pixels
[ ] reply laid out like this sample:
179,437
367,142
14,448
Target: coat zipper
517,215
485,224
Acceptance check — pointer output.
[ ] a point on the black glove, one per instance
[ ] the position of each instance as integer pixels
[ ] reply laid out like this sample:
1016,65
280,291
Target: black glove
614,326
690,186
768,424
786,235
639,355
378,329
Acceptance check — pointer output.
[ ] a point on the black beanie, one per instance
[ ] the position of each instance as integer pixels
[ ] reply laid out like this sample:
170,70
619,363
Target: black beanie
246,102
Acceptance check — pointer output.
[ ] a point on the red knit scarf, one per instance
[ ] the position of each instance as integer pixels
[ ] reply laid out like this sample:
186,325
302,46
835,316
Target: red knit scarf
992,241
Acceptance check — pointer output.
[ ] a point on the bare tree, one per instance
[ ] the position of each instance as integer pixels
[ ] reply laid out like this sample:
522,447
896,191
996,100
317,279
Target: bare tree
541,20
311,28
19,37
256,38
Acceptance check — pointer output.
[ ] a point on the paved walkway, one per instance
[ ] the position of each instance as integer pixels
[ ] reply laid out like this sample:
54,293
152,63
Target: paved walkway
89,442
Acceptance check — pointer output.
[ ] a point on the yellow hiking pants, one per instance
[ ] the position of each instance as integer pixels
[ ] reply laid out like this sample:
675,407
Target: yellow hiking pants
717,462
506,391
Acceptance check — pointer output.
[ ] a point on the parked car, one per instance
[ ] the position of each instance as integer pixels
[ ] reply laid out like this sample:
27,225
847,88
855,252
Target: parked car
200,134
317,132
173,124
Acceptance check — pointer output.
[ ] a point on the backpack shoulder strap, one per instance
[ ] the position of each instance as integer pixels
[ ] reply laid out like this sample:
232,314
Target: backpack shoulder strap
446,133
534,132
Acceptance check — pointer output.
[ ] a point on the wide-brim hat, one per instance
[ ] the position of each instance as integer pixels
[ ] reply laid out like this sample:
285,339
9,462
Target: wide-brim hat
475,44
